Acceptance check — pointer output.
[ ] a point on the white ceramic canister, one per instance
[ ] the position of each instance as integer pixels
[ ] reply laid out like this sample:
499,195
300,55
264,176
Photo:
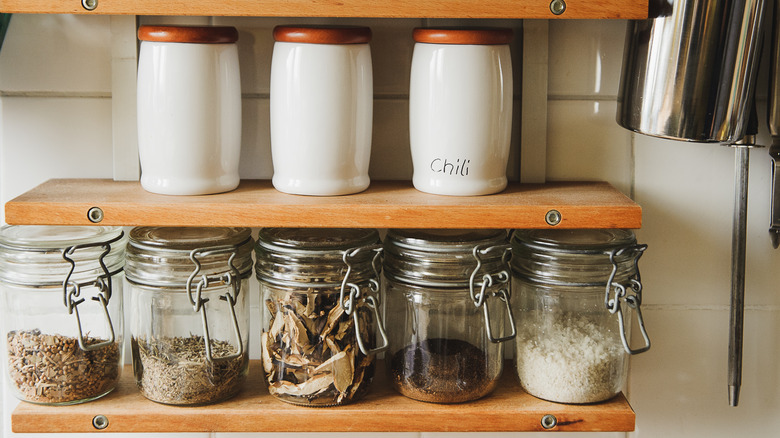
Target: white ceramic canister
460,110
321,109
189,109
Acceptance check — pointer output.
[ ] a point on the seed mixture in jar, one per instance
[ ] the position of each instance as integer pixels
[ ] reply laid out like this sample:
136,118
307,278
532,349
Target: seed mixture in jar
53,369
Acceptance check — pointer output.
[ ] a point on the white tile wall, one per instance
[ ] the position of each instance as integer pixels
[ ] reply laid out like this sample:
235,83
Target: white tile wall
55,120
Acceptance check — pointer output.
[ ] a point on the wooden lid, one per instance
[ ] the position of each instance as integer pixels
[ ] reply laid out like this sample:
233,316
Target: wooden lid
443,35
189,34
323,34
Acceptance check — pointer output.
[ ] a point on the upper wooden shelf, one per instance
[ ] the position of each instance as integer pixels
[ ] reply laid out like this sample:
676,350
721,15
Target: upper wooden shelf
627,9
507,409
386,204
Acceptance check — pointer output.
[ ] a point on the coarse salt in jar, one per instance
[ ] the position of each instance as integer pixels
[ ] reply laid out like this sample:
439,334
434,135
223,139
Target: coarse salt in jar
189,109
321,109
447,294
460,110
62,311
321,291
190,312
575,292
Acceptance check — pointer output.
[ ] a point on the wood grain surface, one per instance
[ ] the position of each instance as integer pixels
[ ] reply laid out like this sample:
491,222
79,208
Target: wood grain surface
386,204
626,9
508,408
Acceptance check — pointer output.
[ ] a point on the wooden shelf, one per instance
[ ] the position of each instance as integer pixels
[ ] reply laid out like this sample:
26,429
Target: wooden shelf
386,204
627,9
382,410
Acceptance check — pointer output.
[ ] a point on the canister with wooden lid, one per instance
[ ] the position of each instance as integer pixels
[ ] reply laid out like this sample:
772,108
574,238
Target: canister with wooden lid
189,109
460,110
321,109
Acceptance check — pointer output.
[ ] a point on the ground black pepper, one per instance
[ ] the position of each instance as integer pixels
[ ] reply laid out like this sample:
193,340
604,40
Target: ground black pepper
442,371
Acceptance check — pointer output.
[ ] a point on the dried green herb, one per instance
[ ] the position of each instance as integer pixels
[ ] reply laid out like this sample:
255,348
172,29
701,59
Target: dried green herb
175,370
48,368
310,354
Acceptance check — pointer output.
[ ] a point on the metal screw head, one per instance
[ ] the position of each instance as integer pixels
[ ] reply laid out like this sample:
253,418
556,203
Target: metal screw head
95,215
553,217
89,5
549,421
100,422
557,7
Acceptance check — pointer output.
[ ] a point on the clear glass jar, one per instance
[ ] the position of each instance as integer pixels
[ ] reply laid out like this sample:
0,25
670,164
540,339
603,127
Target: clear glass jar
62,311
190,312
575,291
448,298
320,288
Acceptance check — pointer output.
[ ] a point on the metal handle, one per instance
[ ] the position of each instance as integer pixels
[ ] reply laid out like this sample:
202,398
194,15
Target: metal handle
633,301
373,304
348,301
503,296
232,279
774,204
71,290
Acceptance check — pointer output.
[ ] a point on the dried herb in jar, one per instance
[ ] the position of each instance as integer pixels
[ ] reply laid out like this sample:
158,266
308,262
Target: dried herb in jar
310,351
53,369
175,370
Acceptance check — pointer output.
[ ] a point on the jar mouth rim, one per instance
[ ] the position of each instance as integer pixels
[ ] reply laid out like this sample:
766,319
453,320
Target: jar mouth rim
314,241
576,241
51,238
186,239
441,241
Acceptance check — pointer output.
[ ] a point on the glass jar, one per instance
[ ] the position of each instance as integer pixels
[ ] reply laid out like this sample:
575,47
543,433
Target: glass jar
460,110
322,97
320,289
62,311
574,292
190,312
189,109
448,297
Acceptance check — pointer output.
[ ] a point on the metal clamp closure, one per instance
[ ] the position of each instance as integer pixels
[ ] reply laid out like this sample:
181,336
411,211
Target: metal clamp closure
488,280
231,278
71,290
369,299
633,301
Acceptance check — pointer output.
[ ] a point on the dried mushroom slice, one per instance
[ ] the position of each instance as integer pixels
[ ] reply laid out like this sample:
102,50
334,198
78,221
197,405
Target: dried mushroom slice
309,352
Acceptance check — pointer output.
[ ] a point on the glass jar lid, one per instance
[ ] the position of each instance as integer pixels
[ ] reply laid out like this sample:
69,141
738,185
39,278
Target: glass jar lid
314,257
37,255
573,257
442,258
166,256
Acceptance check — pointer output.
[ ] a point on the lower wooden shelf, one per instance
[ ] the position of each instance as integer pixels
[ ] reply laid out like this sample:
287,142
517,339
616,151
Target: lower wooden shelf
507,409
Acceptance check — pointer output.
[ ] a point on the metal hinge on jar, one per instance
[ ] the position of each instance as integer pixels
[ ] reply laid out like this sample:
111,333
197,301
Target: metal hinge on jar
634,301
369,299
231,278
71,290
488,280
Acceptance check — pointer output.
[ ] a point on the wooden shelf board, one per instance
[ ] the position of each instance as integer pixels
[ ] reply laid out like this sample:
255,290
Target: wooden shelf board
382,410
386,204
626,9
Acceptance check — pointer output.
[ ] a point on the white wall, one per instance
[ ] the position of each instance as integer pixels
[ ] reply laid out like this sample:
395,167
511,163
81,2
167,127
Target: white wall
55,121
